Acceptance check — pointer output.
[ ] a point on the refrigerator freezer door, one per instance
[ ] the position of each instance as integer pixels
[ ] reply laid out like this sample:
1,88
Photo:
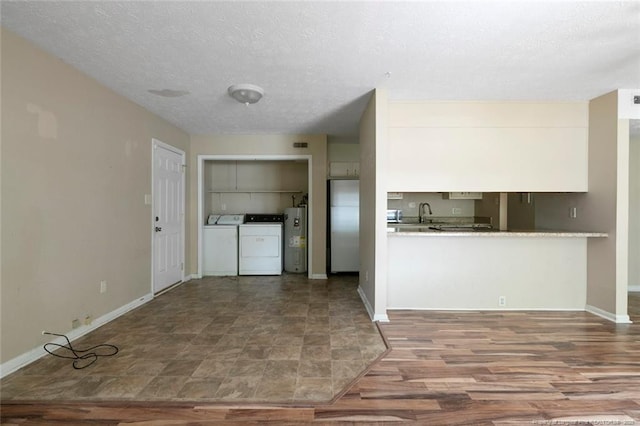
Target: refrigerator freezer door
344,193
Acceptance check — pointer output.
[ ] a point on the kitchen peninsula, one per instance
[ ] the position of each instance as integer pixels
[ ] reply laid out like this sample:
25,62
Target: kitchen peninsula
433,269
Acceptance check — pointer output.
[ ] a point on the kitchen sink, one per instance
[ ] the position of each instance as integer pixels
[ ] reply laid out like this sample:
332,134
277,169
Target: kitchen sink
452,228
440,227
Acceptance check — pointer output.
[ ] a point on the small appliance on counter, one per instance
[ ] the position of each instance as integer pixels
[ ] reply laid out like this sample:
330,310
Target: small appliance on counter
394,216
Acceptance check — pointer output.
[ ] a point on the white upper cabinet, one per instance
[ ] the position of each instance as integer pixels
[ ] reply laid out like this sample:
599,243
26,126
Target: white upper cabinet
344,169
462,196
487,147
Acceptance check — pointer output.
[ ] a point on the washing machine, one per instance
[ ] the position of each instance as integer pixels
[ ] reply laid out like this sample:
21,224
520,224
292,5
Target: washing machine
220,245
260,244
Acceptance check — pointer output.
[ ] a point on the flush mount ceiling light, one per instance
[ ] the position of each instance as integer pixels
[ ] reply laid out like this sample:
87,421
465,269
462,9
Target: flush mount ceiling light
246,93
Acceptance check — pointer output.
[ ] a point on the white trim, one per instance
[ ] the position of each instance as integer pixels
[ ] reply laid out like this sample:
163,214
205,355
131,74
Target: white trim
618,319
381,318
154,144
37,353
633,288
318,276
487,309
284,157
374,317
200,173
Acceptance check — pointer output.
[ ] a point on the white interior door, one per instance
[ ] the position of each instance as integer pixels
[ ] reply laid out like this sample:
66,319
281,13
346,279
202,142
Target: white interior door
168,216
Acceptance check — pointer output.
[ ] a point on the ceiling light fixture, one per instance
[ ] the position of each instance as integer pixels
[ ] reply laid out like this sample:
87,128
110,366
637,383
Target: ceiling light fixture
246,93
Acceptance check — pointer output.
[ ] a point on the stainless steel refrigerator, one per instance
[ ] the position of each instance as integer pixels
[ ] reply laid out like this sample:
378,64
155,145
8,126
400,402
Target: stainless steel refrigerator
344,219
295,239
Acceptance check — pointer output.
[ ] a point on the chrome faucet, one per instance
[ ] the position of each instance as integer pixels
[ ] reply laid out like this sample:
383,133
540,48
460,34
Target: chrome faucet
421,210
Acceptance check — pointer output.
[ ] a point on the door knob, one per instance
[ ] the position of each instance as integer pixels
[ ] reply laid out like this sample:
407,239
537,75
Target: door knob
158,229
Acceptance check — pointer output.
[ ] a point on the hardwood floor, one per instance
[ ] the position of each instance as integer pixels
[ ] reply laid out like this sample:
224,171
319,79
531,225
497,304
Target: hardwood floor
474,368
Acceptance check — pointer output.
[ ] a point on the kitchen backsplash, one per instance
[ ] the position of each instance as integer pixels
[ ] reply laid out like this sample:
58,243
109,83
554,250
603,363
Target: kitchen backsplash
440,207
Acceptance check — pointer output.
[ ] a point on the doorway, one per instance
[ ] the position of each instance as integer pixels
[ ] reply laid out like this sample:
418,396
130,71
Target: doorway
242,184
168,215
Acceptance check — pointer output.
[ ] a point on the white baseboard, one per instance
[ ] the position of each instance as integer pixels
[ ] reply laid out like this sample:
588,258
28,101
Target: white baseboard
367,305
194,277
633,288
396,308
381,318
618,319
27,358
318,276
370,311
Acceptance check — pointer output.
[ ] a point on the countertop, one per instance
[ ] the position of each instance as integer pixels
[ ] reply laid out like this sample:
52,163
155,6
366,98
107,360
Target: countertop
424,231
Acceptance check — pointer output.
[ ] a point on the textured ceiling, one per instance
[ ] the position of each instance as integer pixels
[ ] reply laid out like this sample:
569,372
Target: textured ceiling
318,61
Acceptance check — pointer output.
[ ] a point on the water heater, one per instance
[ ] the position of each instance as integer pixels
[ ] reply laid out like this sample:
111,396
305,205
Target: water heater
295,239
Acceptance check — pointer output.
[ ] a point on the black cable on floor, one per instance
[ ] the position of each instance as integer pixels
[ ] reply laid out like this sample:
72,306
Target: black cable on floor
80,356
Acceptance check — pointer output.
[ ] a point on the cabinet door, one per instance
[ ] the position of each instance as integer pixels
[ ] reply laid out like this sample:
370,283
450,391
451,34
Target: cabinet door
355,168
344,168
339,168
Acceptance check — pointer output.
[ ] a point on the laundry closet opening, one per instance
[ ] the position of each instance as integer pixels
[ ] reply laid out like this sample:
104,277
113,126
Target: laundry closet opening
254,215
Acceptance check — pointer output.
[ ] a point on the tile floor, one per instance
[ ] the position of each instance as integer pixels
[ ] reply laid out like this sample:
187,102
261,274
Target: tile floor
244,339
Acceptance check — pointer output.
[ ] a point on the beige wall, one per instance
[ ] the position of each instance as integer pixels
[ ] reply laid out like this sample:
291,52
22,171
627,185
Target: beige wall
521,210
343,149
487,146
552,211
489,206
76,164
634,213
242,145
601,203
373,204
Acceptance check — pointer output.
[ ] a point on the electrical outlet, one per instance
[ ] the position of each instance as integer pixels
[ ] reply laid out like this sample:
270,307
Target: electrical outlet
502,301
103,286
573,212
88,319
223,207
456,210
412,205
75,323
